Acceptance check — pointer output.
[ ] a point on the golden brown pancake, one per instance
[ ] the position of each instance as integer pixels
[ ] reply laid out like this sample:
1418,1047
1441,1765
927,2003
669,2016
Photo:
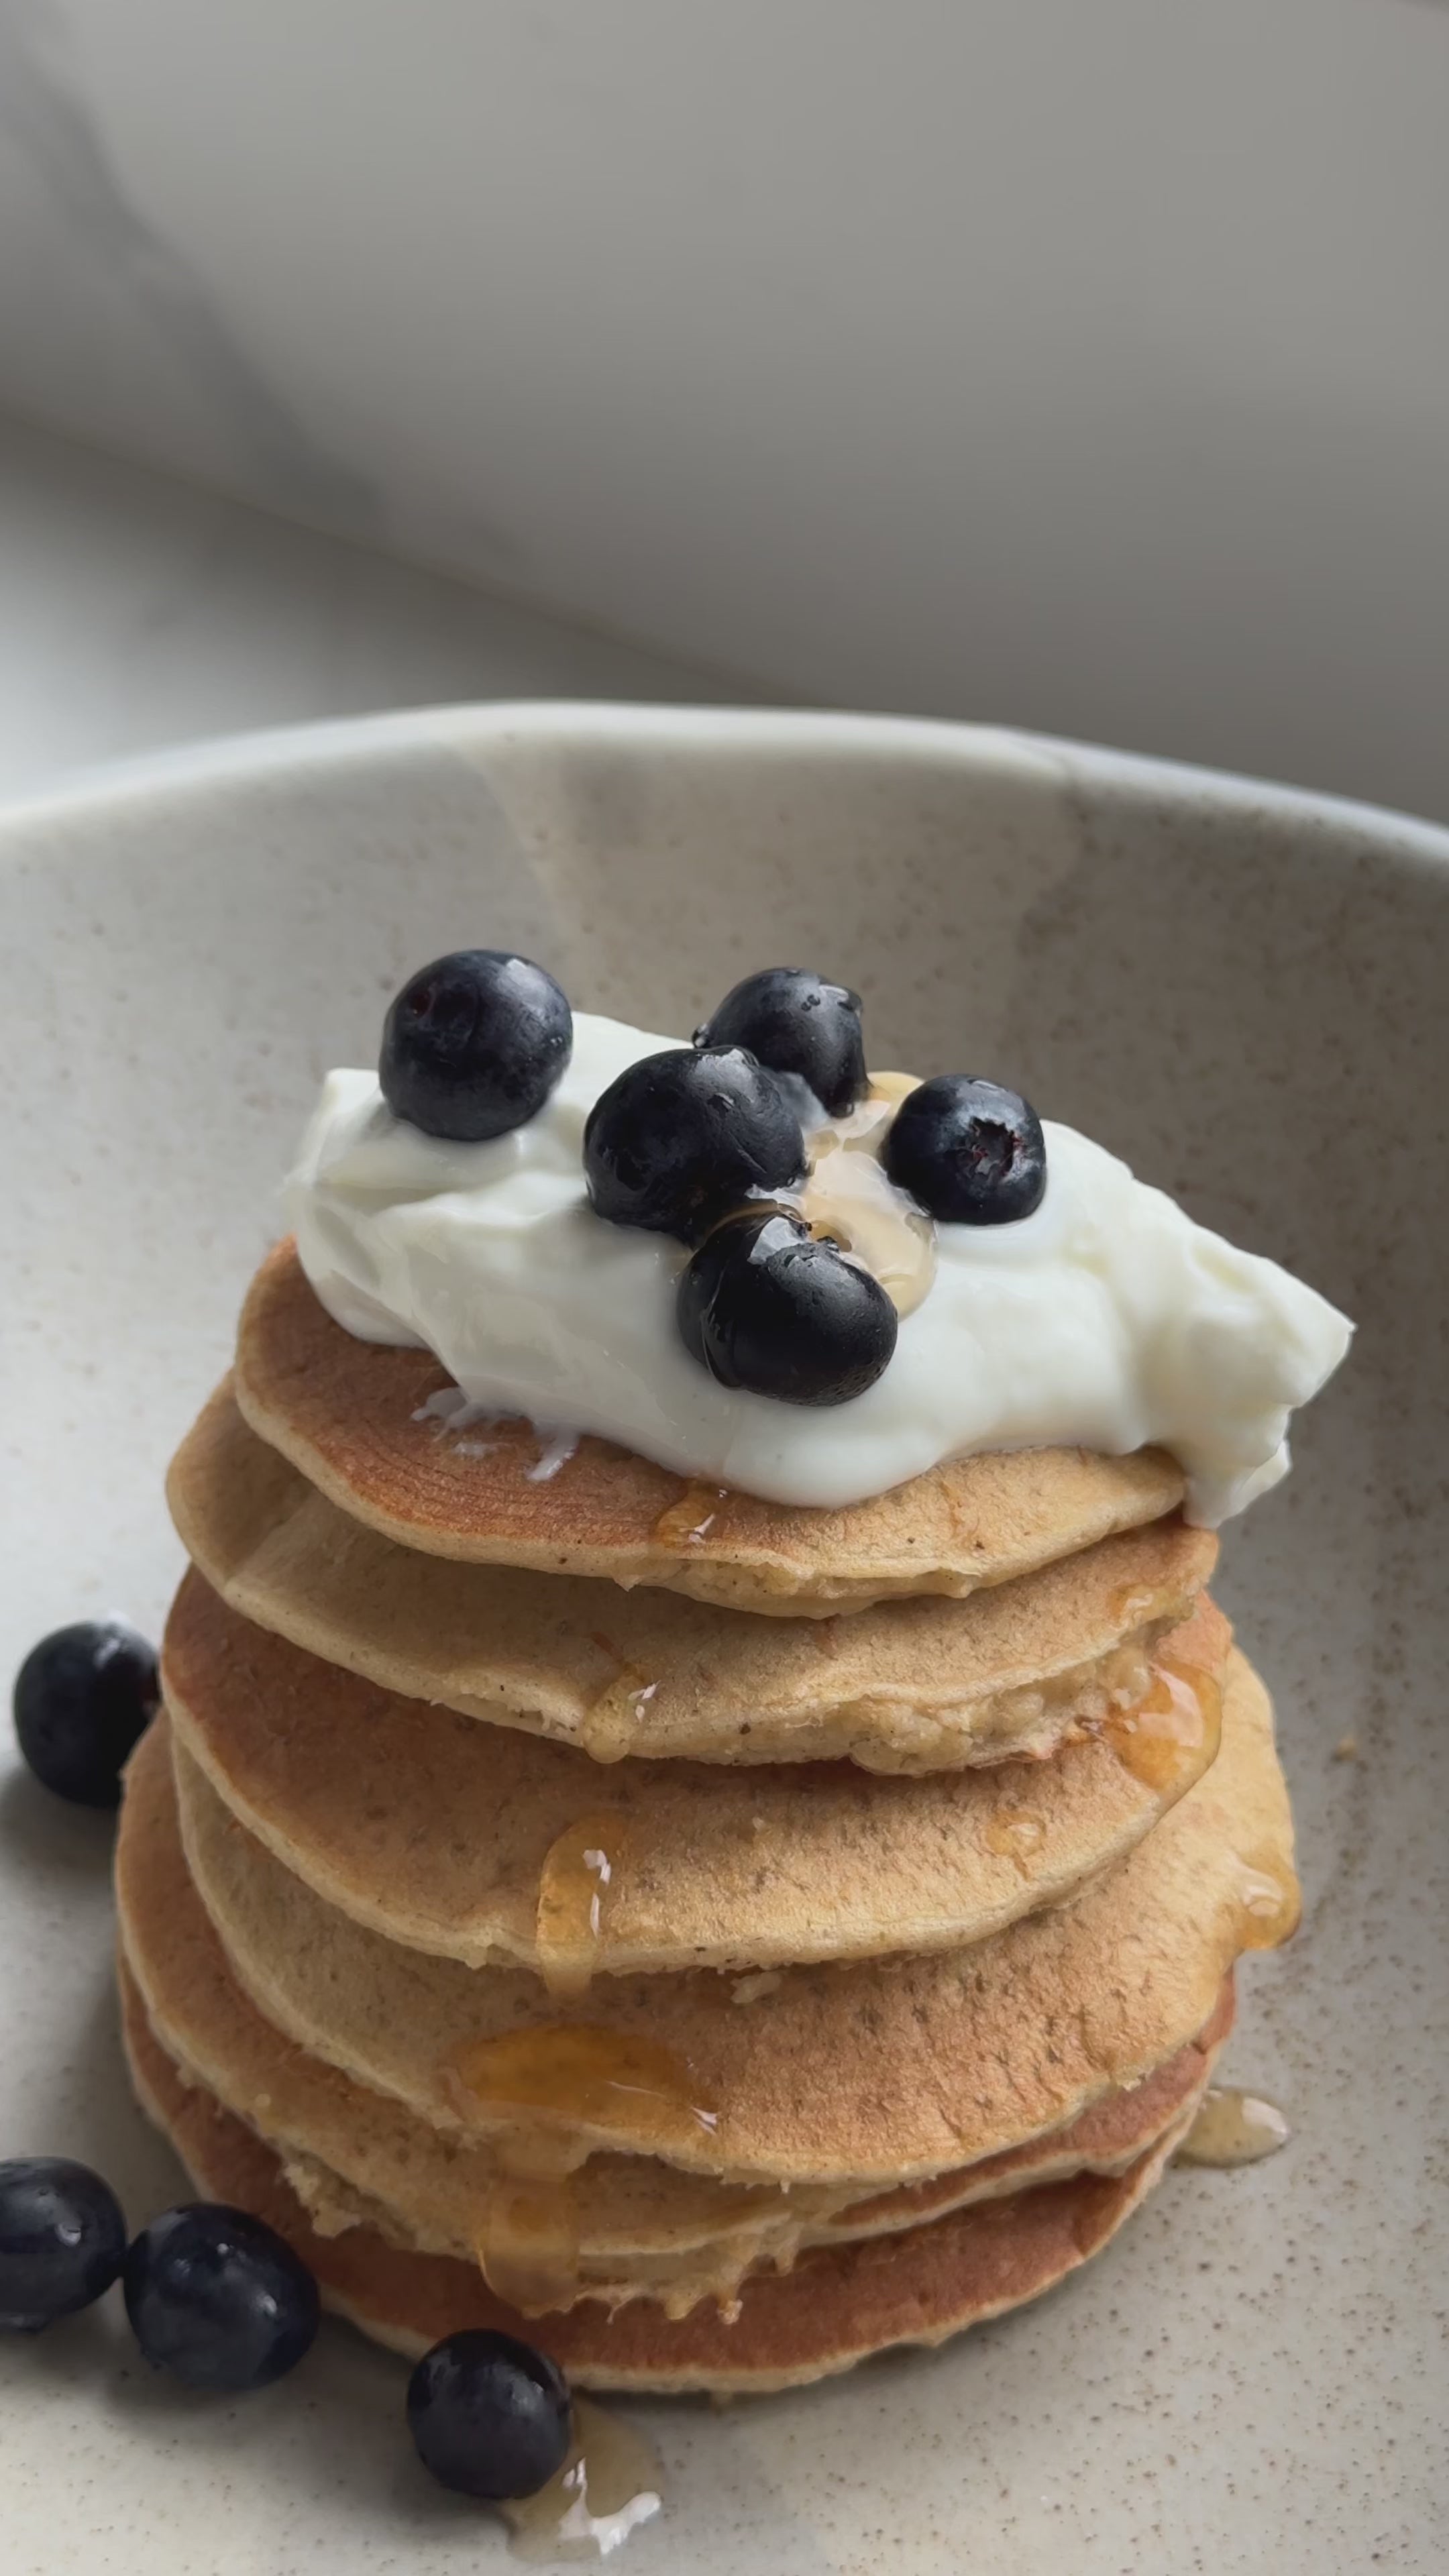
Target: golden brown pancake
643,2227
909,1685
350,1416
838,2304
881,2072
437,1832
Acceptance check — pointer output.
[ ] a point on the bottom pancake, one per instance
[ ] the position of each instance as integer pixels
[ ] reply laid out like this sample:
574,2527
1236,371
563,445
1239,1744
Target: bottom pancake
836,2307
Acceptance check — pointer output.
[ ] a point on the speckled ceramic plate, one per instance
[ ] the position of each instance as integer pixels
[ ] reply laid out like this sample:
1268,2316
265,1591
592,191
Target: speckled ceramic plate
1241,990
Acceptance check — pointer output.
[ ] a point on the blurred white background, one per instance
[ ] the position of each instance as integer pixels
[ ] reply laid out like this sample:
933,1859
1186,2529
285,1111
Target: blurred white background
1082,364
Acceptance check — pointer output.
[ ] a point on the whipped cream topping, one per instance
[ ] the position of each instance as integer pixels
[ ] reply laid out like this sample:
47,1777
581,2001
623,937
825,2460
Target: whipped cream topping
1106,1320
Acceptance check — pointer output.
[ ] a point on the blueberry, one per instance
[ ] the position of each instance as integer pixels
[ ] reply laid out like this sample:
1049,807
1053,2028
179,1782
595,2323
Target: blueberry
969,1152
796,1023
62,2240
490,2416
764,1305
218,2298
474,1044
680,1138
82,1697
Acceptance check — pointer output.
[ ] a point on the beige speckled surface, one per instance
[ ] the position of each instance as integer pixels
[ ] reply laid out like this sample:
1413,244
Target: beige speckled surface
1240,990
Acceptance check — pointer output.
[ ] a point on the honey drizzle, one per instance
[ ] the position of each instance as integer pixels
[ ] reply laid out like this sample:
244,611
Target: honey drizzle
1269,1904
1015,1833
847,1195
688,1521
562,2076
609,2484
577,1886
1233,2128
527,2244
1168,1737
611,1725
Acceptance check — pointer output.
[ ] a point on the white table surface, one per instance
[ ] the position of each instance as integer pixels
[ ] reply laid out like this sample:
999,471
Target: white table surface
137,612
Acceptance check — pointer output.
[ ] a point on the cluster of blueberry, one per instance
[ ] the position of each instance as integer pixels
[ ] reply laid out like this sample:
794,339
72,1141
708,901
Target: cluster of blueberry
214,2295
699,1141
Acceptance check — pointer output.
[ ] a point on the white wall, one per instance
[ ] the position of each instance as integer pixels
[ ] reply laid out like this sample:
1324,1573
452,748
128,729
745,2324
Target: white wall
1083,363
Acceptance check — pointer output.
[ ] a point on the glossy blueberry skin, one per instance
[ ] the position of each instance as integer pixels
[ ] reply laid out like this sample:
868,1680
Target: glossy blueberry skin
968,1152
490,2416
217,2298
82,1697
796,1023
765,1306
682,1137
62,2240
474,1044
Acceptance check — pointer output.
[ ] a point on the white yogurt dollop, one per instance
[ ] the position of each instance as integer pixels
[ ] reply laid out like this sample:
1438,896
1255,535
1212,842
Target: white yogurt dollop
1106,1320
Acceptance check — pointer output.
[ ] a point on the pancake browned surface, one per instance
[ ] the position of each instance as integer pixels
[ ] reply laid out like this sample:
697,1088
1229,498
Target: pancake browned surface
882,2071
837,2305
908,1685
644,2228
436,1831
347,1414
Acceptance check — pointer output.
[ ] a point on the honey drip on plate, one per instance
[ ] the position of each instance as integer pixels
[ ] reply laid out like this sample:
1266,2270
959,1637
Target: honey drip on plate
608,2485
848,1196
1014,1833
578,2075
577,1885
1167,1738
1233,2129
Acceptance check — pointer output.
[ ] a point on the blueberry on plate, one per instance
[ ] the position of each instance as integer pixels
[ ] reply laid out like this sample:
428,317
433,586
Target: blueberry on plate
62,2240
82,1697
474,1044
968,1152
766,1306
682,1137
489,2416
218,2298
796,1023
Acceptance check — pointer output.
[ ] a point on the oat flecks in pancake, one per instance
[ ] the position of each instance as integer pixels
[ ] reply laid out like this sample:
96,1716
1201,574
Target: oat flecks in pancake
922,2062
434,1830
911,1685
835,2307
346,1413
639,2221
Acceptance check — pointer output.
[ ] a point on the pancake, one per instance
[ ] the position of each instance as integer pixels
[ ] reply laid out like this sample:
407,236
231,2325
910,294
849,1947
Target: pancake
838,2304
880,2071
353,1417
437,1832
909,1685
642,2227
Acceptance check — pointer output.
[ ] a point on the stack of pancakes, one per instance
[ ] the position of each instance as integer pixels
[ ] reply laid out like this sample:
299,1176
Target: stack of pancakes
712,1939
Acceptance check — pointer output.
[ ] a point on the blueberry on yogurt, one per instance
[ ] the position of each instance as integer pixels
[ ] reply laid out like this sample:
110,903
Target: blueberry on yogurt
796,1023
683,1137
968,1152
767,1306
474,1044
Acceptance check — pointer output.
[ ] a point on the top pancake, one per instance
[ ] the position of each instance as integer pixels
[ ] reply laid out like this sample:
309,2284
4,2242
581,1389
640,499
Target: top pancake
350,1415
916,1686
